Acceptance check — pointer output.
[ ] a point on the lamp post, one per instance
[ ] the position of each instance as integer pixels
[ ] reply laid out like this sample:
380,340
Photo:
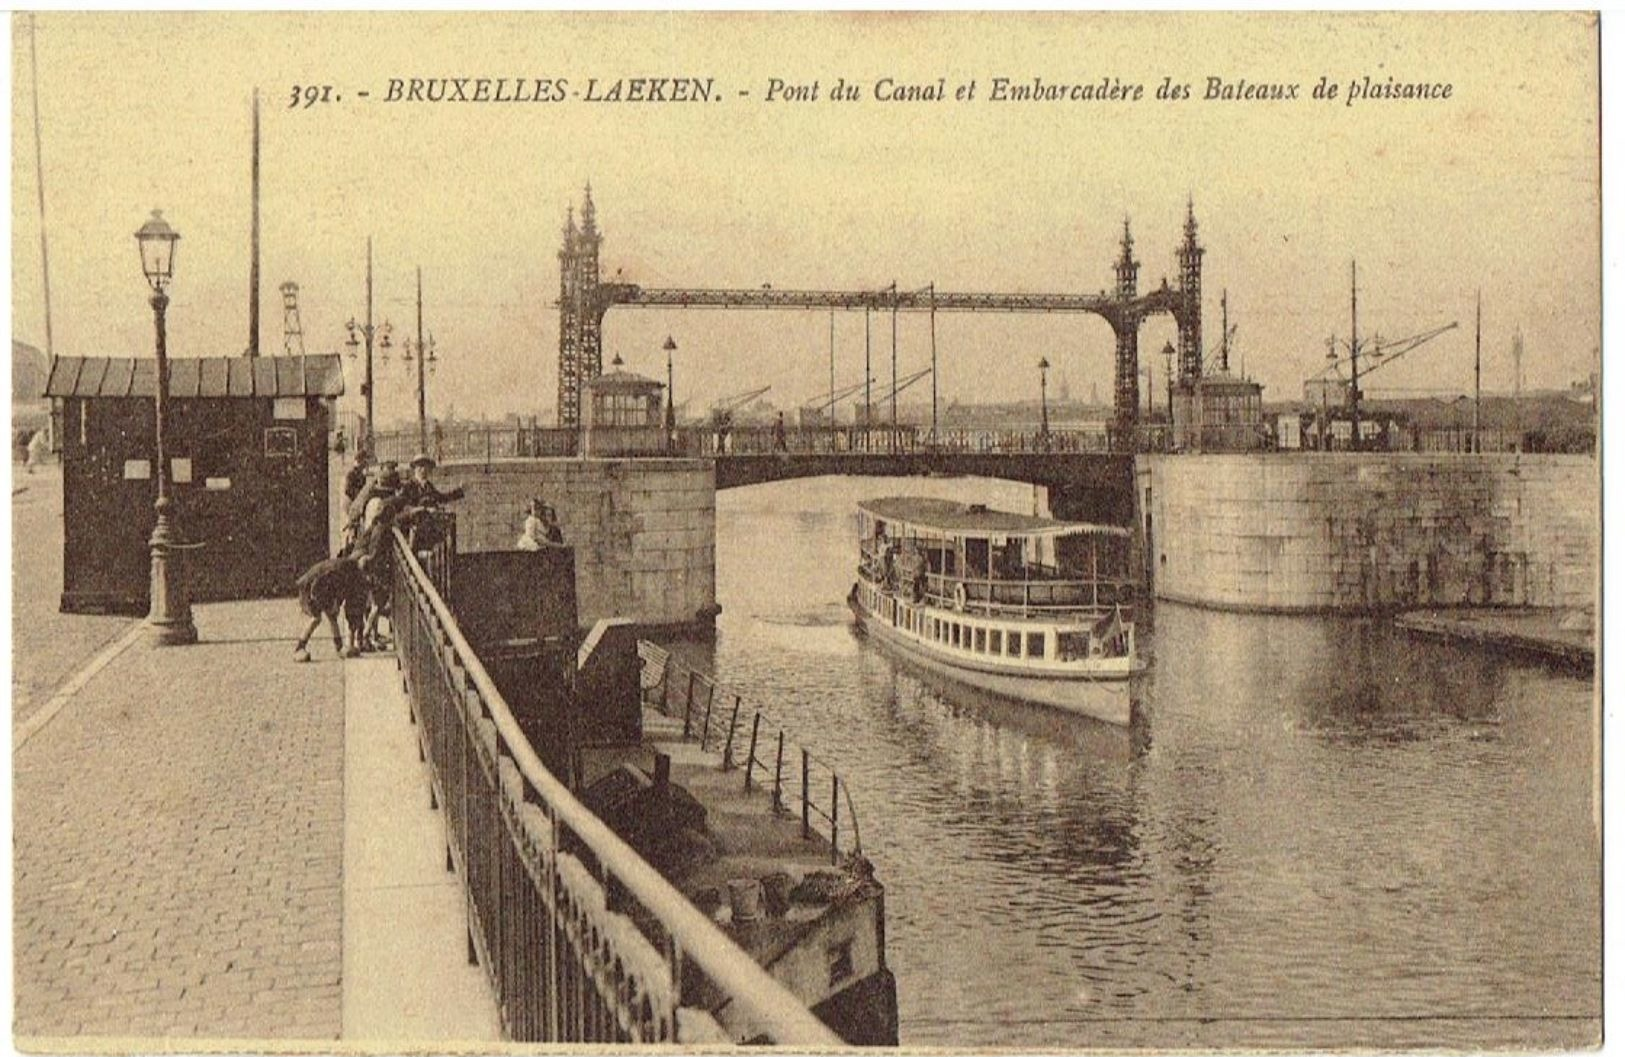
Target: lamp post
1043,400
170,612
671,403
425,358
366,330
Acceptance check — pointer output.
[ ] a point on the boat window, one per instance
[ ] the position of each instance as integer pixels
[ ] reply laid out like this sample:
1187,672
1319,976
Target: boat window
1035,644
1012,644
981,640
996,642
1072,645
976,558
959,634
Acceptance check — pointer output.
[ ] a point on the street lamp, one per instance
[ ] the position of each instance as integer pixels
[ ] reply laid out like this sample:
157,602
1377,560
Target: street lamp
671,403
425,357
1043,399
366,331
170,611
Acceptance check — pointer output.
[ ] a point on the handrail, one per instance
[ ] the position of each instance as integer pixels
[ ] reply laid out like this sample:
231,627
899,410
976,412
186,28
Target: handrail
747,985
650,654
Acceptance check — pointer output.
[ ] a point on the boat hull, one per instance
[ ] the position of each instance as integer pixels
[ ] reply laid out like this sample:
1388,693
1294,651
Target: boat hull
1095,697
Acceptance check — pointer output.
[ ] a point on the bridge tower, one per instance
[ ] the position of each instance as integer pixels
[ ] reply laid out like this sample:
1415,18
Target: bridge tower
1126,324
581,316
1189,316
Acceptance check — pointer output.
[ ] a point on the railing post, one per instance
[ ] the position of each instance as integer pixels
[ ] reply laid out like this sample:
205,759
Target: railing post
834,816
750,761
728,745
806,799
688,705
705,730
778,776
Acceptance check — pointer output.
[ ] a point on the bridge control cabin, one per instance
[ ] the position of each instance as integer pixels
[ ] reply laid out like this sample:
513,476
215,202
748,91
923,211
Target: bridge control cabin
1219,412
624,415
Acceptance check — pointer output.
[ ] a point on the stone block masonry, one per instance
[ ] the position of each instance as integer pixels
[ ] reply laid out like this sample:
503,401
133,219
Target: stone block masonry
644,530
1309,531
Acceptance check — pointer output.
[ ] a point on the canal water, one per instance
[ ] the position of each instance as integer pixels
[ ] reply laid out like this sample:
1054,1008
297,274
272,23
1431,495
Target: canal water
1321,833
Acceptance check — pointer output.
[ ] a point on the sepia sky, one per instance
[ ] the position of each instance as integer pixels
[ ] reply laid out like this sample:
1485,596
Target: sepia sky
1496,187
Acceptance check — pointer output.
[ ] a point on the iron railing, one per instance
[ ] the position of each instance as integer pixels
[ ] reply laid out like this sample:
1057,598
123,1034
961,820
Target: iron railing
507,441
580,938
801,784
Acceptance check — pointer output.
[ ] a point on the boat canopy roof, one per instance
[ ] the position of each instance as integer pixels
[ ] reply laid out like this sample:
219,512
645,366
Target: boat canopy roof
945,517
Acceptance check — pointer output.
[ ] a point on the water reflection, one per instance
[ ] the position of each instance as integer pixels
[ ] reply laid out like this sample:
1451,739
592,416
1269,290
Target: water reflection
1312,818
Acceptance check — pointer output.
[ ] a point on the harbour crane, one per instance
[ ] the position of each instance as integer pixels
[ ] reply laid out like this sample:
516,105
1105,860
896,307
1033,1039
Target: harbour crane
904,383
1376,352
819,410
824,401
723,409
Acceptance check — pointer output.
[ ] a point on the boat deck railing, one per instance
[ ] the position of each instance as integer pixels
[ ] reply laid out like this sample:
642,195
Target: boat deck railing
1036,590
581,939
799,782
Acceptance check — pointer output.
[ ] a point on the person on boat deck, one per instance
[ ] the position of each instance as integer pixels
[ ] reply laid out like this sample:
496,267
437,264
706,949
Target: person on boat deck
1010,560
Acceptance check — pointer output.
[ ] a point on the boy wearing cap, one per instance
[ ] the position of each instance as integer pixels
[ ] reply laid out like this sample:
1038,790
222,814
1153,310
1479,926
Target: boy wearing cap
420,490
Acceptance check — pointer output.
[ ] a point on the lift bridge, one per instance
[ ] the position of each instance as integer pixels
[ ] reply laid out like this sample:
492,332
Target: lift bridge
585,298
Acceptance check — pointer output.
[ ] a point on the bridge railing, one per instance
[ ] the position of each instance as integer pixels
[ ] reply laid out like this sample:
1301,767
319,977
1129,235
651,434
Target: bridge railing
581,939
480,442
801,785
508,441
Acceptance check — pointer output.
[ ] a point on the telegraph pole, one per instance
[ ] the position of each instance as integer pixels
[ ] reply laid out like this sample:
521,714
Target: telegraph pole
1354,355
832,379
39,184
367,388
933,363
1478,340
893,442
423,422
1517,389
254,240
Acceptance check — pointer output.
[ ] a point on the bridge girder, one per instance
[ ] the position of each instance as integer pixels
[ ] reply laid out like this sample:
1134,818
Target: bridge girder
585,299
1117,312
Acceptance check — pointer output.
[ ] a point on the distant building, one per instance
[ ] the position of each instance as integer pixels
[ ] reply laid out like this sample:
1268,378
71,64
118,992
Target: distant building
1326,392
30,408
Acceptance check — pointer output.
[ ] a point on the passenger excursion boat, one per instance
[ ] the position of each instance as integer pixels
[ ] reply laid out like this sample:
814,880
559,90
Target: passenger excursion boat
1019,606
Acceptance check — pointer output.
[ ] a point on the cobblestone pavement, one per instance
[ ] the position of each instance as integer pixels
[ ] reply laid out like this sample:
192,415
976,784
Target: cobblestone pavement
178,842
47,646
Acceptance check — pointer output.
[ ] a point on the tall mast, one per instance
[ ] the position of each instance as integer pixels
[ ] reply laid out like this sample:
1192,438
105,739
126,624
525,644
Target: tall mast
39,183
1224,330
254,240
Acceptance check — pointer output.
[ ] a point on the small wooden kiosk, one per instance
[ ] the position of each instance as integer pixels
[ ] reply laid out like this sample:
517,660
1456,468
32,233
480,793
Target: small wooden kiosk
248,447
